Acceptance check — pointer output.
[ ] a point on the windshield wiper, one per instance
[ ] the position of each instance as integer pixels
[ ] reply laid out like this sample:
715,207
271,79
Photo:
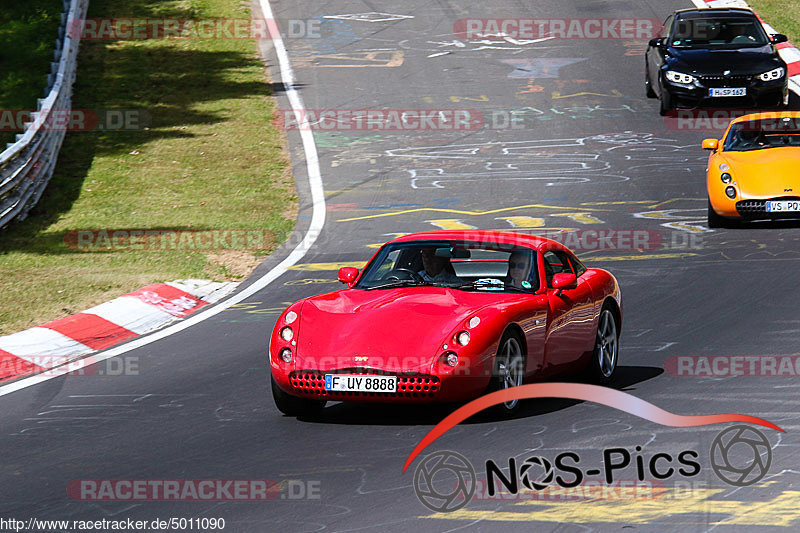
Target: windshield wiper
398,283
486,286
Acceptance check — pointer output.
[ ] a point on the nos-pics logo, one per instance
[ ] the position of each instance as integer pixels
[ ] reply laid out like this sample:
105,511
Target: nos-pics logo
446,481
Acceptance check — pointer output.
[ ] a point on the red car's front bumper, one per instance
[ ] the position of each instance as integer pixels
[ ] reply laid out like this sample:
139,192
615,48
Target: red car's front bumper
411,387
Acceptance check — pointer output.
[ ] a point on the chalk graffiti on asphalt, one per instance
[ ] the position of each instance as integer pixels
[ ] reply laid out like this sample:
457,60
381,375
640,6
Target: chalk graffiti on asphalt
552,162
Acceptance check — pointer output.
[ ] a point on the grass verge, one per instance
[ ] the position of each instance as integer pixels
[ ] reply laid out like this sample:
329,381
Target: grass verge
209,159
782,15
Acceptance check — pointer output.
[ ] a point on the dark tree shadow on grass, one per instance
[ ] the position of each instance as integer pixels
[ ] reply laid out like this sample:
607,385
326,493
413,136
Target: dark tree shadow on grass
161,81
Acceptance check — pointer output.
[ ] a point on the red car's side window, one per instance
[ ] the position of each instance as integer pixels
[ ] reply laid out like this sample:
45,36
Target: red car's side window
555,262
577,266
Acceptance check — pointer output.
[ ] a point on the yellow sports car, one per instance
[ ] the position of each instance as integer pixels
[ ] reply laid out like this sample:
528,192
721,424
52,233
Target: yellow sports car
754,171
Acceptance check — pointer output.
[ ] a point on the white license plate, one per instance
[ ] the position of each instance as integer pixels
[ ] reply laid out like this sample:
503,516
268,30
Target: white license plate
360,383
782,206
728,91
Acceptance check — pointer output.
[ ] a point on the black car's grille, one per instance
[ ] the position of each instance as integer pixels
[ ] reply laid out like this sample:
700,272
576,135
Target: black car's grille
408,385
758,209
726,81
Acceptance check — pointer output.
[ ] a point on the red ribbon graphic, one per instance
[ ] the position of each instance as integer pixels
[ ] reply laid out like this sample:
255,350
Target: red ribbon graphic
578,391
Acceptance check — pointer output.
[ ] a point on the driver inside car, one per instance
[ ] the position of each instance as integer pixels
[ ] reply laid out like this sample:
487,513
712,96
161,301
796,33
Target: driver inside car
519,270
740,33
437,269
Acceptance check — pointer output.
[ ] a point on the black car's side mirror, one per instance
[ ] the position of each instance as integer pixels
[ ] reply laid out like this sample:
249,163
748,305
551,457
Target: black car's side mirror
654,43
779,38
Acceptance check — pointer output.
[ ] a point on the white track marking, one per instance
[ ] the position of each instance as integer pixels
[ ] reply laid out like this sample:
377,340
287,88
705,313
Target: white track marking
317,223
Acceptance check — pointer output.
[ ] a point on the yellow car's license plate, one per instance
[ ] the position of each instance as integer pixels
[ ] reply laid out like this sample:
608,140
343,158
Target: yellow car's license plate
782,206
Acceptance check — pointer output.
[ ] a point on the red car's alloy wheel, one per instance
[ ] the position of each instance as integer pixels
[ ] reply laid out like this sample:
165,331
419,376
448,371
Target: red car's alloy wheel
607,345
509,371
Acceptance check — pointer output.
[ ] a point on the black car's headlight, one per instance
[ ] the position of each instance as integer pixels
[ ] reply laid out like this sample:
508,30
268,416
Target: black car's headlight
680,77
772,75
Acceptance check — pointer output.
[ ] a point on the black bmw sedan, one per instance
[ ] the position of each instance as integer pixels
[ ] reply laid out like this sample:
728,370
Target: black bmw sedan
719,57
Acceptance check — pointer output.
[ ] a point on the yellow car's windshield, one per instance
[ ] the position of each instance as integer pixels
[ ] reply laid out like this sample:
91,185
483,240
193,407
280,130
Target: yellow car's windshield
763,133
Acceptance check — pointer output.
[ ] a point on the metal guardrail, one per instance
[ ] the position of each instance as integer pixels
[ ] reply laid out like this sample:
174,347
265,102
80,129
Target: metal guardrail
27,165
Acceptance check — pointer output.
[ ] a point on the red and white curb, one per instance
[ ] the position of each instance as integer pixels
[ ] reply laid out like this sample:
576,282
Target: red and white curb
60,341
787,51
317,224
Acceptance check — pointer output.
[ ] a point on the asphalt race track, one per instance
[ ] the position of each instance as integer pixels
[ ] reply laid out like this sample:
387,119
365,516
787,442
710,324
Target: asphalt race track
588,151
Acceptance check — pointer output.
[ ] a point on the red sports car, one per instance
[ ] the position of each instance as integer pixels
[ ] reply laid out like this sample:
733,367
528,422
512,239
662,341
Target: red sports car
445,316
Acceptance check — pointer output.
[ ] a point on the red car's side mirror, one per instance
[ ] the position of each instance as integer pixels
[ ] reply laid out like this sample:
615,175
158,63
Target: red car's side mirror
348,275
565,281
710,144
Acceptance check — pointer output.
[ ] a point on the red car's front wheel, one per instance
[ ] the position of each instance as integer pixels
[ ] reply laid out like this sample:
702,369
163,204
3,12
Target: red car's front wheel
509,371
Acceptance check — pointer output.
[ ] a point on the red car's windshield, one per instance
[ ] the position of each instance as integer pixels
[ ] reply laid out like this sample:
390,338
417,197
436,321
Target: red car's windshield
465,266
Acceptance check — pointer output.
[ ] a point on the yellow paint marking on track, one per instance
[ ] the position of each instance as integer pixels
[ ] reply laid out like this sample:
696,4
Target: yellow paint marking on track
555,95
450,224
678,255
683,226
481,98
582,218
652,203
464,212
659,204
316,267
783,510
663,214
619,202
309,281
523,221
523,230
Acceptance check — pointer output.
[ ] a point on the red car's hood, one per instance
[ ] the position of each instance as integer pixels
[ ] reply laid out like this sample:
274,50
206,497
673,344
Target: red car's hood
398,330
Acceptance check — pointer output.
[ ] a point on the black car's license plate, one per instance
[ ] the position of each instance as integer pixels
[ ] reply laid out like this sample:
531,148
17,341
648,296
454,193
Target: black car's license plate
727,91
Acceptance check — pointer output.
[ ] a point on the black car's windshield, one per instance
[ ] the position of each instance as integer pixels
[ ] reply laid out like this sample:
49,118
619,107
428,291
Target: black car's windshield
476,266
718,33
763,133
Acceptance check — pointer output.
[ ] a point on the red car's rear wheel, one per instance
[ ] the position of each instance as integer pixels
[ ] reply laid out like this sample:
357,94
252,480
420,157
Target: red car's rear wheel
606,349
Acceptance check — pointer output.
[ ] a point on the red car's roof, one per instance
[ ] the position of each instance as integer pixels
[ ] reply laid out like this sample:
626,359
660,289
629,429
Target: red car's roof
503,237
